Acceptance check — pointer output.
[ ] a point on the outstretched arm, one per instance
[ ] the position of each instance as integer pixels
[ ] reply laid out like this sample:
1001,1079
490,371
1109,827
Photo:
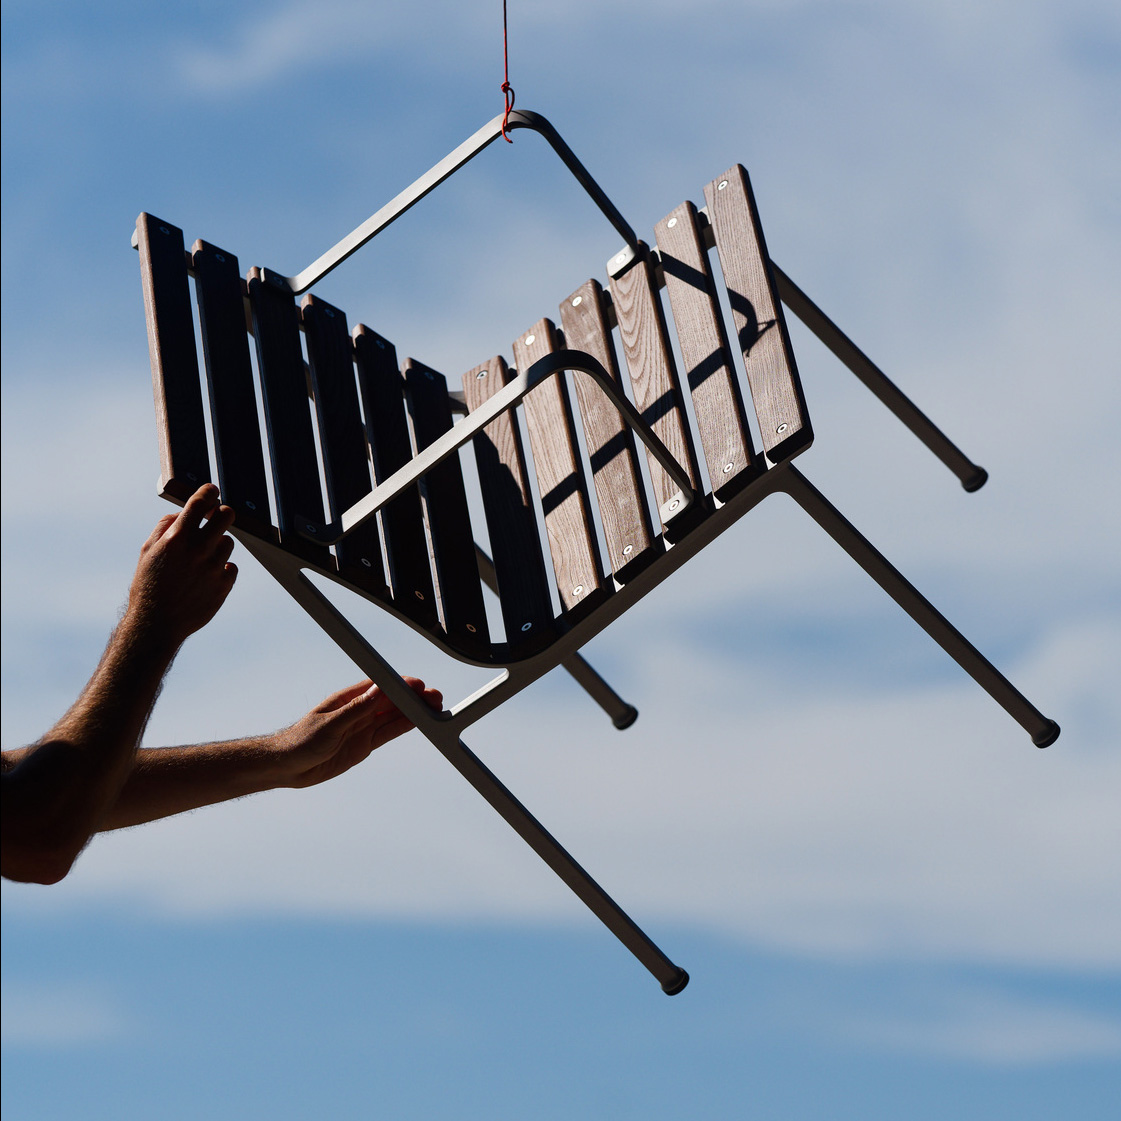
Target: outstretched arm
56,792
332,738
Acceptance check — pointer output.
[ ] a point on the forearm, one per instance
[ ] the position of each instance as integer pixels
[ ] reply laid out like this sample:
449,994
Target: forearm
171,780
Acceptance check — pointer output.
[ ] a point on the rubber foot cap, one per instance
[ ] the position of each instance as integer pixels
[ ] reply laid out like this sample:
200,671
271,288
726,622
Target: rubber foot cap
625,718
1048,736
674,986
976,481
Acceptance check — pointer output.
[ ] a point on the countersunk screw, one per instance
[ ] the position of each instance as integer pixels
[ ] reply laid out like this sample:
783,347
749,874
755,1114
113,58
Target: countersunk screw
381,344
728,467
164,230
329,312
722,184
527,626
675,503
577,301
782,428
220,257
578,590
250,505
480,375
471,627
671,223
627,550
530,340
310,528
367,563
621,258
419,594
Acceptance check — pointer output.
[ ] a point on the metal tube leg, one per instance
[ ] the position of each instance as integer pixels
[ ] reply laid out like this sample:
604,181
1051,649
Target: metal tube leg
671,977
622,715
1043,731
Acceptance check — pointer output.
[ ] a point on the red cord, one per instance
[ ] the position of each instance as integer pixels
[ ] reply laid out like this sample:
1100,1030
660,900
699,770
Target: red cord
507,89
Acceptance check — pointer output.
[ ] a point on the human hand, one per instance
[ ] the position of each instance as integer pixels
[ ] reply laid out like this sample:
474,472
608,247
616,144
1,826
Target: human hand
184,574
341,732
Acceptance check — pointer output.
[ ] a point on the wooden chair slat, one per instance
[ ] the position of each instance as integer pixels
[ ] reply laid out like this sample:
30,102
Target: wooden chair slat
523,584
219,293
284,392
611,446
560,477
717,400
342,442
653,372
382,389
768,357
181,427
459,589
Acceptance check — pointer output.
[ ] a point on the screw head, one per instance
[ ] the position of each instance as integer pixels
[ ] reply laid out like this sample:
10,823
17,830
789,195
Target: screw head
782,428
480,375
577,301
419,594
366,561
220,257
471,627
381,344
429,375
164,230
530,340
329,312
193,478
675,503
527,626
722,184
728,467
250,505
578,590
621,258
671,223
627,550
310,528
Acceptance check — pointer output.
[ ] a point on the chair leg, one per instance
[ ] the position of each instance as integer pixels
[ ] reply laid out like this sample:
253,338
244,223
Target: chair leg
1042,730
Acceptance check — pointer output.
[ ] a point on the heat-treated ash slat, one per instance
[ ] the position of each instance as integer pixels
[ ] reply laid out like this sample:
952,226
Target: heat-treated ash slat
654,381
402,520
560,477
220,295
459,588
523,585
342,442
611,449
717,401
284,393
772,374
184,458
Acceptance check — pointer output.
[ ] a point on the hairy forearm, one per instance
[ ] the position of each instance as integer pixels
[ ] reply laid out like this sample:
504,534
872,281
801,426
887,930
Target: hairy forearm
171,780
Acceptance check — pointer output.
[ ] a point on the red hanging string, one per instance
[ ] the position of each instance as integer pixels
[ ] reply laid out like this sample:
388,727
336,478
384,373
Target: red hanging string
507,89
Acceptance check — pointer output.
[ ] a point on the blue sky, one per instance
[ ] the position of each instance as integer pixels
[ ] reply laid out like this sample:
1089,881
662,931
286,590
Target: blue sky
890,903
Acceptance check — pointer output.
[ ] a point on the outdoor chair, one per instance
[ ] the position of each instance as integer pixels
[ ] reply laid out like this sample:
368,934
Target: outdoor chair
384,449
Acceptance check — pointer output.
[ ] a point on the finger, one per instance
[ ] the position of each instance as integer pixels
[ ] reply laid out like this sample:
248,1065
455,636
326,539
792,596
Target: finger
162,526
198,506
219,521
398,726
223,549
344,696
230,573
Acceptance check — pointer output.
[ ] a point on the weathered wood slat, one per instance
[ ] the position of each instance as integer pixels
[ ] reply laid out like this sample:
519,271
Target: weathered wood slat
229,379
402,521
523,585
284,392
560,477
653,372
717,401
772,374
459,588
342,442
611,448
184,458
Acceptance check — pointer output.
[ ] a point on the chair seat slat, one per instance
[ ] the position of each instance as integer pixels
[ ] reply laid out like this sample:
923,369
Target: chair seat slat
284,391
459,589
229,381
382,391
523,584
717,400
342,442
184,458
611,448
560,477
653,373
772,374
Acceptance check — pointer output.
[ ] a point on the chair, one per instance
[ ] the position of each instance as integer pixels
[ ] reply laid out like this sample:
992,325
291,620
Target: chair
396,526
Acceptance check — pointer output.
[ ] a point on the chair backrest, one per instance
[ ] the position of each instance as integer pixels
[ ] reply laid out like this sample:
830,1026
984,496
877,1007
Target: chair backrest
339,414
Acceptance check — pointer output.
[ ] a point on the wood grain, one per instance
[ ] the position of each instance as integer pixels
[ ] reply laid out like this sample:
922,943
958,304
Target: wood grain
523,585
611,444
382,389
342,442
180,425
459,590
768,357
219,292
717,401
284,393
560,477
655,385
